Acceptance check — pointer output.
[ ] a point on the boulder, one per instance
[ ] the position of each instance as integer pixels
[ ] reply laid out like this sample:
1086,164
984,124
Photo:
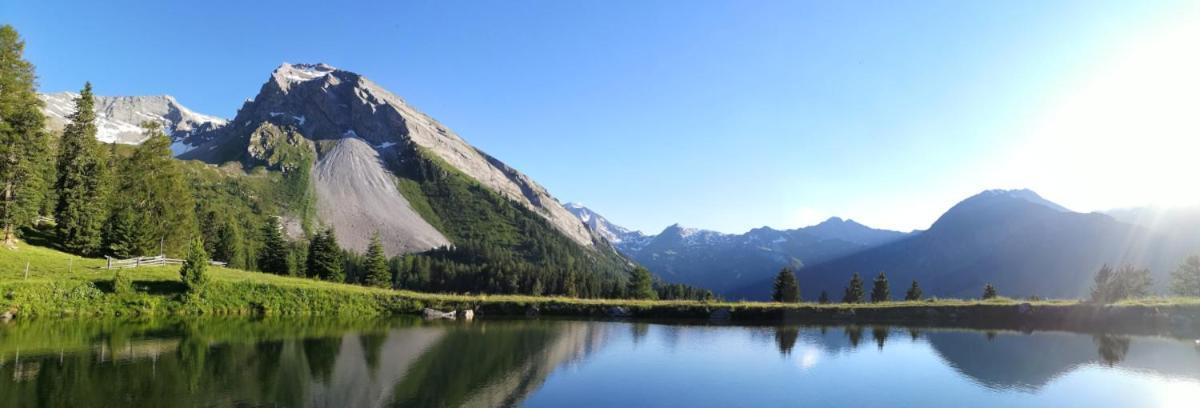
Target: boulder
618,311
6,316
532,311
1025,309
720,315
466,314
431,314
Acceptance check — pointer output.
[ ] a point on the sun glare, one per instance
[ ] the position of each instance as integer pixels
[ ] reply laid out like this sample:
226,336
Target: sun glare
1126,134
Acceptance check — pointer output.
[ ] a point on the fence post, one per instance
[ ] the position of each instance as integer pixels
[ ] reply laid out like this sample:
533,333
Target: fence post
26,270
109,258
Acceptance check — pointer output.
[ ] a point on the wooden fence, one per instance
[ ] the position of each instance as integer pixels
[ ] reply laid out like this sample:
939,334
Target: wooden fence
160,260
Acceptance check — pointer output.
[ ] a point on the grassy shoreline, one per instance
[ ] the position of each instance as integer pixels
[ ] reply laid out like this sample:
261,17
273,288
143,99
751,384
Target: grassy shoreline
58,284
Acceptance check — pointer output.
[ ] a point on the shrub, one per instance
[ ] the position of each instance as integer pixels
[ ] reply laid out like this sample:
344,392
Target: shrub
121,284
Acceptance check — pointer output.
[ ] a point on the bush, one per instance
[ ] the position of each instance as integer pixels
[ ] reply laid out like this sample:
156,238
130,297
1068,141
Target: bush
121,284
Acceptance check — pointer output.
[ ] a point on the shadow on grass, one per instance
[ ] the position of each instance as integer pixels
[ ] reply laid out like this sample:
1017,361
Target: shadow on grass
43,237
161,288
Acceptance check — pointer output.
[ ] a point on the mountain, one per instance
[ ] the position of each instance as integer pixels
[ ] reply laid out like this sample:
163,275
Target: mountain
725,262
377,164
599,225
1014,239
119,118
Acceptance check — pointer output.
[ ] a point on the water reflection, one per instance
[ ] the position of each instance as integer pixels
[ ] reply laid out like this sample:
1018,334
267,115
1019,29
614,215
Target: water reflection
406,362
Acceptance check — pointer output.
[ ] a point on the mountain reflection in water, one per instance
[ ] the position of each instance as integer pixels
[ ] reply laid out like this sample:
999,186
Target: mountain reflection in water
406,362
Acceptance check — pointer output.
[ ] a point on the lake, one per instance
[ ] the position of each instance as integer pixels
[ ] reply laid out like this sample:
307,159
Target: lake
299,362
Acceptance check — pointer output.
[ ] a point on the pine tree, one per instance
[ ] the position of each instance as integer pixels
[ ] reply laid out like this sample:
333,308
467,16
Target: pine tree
824,299
879,289
24,149
194,272
377,273
125,234
641,284
787,290
81,187
1185,281
854,292
274,255
914,292
154,209
230,245
989,291
325,257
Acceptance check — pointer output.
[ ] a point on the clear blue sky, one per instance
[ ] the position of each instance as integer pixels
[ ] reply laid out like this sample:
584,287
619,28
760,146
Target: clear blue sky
721,115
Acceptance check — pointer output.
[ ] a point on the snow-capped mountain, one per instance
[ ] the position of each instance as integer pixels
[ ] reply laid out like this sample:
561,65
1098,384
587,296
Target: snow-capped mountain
119,118
725,262
615,234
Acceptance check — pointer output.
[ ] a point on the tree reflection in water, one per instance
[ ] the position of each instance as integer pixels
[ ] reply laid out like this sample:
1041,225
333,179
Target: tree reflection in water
1112,349
785,338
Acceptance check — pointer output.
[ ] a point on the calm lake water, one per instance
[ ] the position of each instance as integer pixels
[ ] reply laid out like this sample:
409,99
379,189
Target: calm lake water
297,362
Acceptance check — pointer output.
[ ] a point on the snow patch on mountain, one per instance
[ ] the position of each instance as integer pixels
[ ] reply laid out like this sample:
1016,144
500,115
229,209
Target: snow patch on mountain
119,118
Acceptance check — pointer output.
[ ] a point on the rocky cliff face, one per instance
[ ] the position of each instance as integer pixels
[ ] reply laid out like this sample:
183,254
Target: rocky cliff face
118,118
328,106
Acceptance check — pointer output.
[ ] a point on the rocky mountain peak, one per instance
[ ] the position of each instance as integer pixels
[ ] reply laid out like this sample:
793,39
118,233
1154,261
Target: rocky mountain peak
323,103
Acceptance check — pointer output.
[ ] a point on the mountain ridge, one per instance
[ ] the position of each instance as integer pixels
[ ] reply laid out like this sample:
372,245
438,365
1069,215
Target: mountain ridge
325,104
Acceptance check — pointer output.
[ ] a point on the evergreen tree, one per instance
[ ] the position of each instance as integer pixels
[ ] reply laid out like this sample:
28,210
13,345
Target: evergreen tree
914,292
153,209
377,273
325,257
24,149
824,299
274,255
194,272
854,292
879,289
126,235
989,291
787,290
1185,281
81,186
641,284
230,245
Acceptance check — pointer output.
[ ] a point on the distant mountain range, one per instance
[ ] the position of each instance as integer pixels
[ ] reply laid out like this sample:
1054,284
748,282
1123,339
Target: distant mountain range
1015,239
725,262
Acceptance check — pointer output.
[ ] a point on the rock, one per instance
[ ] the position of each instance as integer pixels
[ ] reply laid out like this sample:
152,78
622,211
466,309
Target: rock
6,316
466,314
1025,309
720,315
845,314
618,311
532,311
431,314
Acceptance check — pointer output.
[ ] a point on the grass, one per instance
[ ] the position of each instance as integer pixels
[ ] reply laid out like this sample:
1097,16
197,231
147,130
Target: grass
59,284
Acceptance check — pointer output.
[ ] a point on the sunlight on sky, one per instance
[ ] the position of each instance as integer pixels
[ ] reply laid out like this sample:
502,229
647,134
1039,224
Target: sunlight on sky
1126,134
